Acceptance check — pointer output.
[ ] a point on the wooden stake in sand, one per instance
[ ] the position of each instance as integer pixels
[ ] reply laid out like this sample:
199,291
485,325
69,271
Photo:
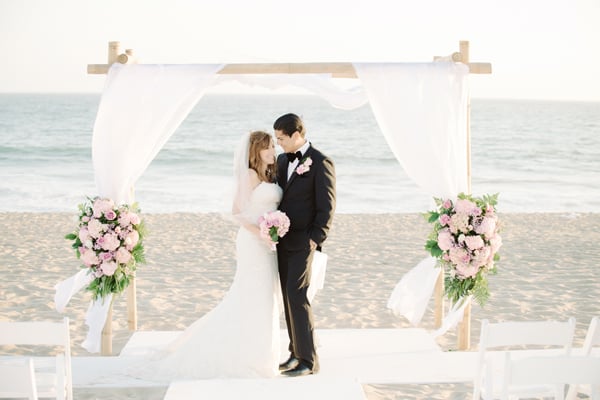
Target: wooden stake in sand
337,70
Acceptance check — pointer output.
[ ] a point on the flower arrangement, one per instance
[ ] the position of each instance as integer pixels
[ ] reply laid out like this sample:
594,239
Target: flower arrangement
109,242
304,166
465,239
273,225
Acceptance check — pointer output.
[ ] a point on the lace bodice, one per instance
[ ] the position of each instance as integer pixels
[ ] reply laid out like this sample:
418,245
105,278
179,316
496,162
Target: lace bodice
265,197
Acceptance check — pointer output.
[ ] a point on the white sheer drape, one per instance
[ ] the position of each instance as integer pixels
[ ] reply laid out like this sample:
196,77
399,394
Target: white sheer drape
421,110
345,98
141,107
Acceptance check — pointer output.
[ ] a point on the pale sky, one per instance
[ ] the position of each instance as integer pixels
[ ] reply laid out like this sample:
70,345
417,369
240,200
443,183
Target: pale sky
539,49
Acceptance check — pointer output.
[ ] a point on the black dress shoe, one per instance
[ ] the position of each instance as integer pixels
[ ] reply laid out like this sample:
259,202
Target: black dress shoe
291,363
300,370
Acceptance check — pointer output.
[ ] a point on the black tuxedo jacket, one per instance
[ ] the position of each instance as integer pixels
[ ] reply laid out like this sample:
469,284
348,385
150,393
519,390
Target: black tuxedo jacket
308,199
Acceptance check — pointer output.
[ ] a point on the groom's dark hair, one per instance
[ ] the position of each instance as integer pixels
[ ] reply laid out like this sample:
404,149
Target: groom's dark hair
288,124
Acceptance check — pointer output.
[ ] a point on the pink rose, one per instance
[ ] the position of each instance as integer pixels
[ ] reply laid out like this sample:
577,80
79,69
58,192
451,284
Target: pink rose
447,204
105,256
108,268
444,219
110,215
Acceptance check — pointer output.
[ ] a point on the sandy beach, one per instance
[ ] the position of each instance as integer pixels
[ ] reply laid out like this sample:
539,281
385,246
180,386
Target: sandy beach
547,271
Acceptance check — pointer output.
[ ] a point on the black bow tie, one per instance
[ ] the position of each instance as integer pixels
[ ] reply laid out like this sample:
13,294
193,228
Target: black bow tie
292,156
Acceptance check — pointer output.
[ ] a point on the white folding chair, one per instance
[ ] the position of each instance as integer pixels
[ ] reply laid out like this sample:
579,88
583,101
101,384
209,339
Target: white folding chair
17,380
53,374
553,370
592,339
517,337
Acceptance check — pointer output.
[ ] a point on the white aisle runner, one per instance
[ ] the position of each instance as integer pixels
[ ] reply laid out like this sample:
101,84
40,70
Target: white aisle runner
348,358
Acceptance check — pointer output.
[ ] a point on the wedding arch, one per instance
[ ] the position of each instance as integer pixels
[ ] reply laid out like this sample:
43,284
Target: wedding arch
422,109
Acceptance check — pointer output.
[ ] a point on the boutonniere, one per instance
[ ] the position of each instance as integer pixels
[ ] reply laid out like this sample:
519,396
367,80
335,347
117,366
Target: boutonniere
304,166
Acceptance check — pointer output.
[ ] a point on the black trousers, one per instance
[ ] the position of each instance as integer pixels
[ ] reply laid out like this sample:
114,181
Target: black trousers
294,274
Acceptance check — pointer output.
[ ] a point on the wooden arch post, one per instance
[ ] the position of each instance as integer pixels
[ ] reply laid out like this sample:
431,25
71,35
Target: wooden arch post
337,70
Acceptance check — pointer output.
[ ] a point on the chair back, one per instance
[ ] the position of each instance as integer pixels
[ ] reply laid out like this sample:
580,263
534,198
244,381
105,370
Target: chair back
511,334
592,337
42,333
17,380
555,370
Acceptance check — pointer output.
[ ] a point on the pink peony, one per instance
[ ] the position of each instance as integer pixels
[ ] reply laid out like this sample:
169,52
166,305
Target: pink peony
122,256
458,255
445,240
101,206
131,240
481,257
474,242
110,241
105,256
134,218
466,270
495,243
486,227
95,228
89,258
464,206
83,234
459,223
108,268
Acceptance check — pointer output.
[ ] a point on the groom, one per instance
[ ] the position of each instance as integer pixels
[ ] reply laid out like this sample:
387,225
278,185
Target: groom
307,178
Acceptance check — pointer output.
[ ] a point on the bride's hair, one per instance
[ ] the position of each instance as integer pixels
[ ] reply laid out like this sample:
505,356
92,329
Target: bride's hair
260,140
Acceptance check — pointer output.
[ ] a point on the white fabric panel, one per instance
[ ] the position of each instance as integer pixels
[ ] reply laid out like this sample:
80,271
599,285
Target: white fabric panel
421,109
141,107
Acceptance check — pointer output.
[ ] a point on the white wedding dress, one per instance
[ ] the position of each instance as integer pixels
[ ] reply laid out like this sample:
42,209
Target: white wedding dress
239,338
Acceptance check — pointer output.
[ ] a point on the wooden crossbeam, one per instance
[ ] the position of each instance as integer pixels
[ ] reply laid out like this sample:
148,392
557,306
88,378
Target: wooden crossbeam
336,69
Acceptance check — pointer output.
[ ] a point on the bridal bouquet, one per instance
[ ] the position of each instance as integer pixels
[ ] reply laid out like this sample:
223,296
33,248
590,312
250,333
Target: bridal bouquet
108,241
274,224
465,239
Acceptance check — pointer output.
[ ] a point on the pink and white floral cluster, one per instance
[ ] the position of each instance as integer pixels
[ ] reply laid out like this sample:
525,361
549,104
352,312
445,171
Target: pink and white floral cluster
108,240
273,225
465,238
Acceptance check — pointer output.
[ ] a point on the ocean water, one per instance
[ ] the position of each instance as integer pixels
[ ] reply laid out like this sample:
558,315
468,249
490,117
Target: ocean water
540,156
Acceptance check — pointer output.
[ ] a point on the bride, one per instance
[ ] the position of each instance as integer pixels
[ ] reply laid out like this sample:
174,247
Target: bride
239,338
